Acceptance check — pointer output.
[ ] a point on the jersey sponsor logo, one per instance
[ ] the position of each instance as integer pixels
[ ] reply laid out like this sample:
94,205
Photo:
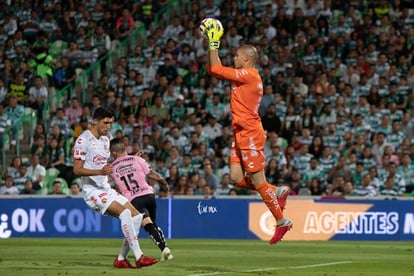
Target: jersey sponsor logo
250,165
93,200
99,160
103,197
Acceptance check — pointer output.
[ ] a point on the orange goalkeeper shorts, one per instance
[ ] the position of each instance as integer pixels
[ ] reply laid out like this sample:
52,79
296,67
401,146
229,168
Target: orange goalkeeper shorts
248,149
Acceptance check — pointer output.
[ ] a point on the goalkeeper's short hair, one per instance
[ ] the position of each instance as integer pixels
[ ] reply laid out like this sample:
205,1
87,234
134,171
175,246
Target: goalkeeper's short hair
250,51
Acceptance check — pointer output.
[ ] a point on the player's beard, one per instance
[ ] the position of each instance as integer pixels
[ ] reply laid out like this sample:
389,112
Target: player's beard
103,132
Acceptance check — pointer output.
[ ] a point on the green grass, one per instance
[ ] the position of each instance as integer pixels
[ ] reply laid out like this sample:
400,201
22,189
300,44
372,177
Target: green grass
208,257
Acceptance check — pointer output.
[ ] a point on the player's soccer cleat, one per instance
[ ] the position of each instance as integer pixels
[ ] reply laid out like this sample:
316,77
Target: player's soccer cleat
282,227
281,193
122,264
166,255
145,261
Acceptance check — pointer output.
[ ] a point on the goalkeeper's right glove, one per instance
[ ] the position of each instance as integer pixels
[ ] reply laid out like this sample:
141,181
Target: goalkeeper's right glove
213,30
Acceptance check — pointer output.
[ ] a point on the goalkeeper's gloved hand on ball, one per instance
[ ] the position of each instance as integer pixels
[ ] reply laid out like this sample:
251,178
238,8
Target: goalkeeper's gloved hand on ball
213,30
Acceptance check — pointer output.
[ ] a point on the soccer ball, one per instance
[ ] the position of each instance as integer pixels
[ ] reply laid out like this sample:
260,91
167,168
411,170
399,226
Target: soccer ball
205,22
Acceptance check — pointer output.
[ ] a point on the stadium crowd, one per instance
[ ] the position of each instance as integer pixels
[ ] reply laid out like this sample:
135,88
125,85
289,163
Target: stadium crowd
338,102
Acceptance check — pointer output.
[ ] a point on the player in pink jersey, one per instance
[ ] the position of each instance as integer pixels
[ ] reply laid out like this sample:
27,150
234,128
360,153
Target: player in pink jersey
91,153
130,174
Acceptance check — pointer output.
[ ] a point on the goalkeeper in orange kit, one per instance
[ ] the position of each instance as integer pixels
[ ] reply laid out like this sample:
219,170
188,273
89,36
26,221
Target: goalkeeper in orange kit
247,160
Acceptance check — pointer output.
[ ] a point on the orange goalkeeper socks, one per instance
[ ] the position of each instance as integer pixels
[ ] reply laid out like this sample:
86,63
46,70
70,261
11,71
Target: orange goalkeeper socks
267,192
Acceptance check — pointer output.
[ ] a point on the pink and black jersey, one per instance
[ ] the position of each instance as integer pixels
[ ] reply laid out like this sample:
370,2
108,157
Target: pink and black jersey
129,174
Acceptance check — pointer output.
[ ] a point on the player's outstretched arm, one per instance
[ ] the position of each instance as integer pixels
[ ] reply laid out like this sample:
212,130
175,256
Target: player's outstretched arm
157,177
212,30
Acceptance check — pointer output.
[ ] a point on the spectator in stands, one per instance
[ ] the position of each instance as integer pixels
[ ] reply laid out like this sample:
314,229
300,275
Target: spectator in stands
270,121
67,26
56,188
14,113
65,74
177,138
124,25
211,179
168,69
213,128
172,176
36,172
5,122
13,168
74,112
49,26
39,148
54,156
18,88
225,186
314,170
398,180
272,172
158,108
174,29
21,177
74,189
81,127
3,92
38,94
28,188
60,120
8,188
89,54
390,190
56,133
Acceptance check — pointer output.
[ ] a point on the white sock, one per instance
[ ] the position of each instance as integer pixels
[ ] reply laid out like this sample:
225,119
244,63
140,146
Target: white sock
127,227
137,220
123,253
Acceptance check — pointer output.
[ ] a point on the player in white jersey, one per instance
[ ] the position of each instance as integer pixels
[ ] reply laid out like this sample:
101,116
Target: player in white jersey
91,153
129,174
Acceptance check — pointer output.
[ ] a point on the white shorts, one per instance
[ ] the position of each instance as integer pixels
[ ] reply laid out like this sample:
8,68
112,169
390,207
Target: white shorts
100,200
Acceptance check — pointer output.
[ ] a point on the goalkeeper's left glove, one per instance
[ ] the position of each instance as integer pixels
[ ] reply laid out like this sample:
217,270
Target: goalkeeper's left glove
213,30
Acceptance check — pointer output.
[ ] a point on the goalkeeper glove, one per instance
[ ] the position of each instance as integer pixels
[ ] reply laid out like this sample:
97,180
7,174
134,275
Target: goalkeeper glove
213,30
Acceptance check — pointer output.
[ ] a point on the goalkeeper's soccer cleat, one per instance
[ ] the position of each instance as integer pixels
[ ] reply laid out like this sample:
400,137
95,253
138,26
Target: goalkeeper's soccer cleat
282,227
145,261
281,193
122,264
166,255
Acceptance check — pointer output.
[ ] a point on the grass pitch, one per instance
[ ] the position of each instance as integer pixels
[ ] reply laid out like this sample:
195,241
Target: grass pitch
208,257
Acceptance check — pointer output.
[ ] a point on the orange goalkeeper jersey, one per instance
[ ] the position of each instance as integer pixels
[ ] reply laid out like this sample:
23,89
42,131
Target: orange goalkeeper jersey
246,94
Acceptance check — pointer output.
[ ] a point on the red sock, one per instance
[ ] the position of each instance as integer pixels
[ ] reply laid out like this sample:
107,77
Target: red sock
246,184
267,192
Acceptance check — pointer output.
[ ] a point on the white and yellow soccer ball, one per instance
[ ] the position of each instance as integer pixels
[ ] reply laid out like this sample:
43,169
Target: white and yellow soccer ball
211,28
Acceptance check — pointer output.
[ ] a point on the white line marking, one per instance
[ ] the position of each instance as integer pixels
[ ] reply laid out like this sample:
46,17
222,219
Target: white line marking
273,268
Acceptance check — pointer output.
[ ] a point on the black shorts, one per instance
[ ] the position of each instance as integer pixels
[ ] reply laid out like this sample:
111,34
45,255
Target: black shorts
146,204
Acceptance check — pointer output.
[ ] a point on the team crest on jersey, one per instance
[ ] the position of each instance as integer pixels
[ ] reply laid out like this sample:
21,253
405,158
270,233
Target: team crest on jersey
80,141
94,145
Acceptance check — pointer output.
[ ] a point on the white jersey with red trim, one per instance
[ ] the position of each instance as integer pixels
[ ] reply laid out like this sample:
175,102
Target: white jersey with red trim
95,153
